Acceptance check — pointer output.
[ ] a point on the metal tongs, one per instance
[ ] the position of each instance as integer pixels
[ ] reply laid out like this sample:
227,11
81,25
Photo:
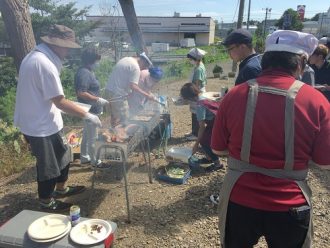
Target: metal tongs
118,98
161,103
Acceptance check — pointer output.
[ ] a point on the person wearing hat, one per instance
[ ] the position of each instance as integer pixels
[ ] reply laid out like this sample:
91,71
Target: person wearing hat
88,91
321,67
281,126
148,78
123,80
198,78
39,102
240,48
205,118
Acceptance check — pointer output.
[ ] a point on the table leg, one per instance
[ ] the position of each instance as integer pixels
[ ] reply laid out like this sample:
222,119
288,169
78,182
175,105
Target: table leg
126,188
143,151
149,163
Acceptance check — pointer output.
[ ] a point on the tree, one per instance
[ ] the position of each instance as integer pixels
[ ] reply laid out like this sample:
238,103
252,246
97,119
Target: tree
290,21
111,9
134,30
17,20
316,17
3,34
47,13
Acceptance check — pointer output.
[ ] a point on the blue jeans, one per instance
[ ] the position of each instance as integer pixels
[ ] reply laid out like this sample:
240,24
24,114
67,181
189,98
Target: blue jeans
87,148
208,152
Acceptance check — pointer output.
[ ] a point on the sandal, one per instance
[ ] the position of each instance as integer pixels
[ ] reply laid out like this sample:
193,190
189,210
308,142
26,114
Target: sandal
68,191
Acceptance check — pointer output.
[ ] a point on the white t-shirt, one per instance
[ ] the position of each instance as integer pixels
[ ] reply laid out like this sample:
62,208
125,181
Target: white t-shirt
38,82
124,73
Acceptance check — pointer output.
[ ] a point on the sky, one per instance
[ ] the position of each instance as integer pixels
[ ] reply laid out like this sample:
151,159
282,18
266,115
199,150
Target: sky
222,10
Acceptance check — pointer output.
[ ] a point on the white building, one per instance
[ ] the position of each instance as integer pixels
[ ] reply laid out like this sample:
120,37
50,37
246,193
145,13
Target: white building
156,29
310,27
324,24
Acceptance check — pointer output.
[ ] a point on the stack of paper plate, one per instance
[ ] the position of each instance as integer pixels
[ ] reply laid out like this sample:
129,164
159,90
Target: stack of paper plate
90,232
49,228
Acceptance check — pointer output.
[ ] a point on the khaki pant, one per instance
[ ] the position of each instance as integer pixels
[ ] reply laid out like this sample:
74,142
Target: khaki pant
118,110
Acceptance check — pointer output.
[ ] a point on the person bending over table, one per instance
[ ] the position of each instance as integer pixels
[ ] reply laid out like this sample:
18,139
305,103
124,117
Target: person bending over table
205,119
124,79
148,78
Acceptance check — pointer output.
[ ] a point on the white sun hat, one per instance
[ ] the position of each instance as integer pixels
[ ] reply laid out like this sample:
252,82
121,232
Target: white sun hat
291,41
145,57
197,53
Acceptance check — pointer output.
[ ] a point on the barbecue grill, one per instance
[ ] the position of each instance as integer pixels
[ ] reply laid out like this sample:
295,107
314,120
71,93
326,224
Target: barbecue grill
120,151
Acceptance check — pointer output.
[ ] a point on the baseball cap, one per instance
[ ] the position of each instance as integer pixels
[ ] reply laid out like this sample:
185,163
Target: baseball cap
291,41
145,57
238,36
196,53
156,73
325,41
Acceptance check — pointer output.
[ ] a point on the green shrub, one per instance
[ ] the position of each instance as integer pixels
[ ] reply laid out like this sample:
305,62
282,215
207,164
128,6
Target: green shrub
7,105
217,69
7,75
8,133
67,79
103,71
14,153
177,69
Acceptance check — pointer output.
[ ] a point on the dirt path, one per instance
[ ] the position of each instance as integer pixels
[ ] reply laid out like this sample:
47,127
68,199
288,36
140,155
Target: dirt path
163,215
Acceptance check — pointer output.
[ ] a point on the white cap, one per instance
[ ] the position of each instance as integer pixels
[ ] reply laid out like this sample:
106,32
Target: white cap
291,41
145,57
197,53
324,41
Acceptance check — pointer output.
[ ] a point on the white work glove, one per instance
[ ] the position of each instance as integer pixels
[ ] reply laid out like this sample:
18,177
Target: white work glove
93,118
102,101
152,97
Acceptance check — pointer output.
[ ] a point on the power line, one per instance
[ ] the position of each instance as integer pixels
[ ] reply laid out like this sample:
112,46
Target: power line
236,10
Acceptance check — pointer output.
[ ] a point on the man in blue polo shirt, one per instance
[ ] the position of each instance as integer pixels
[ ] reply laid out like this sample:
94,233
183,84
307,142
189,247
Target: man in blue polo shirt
240,49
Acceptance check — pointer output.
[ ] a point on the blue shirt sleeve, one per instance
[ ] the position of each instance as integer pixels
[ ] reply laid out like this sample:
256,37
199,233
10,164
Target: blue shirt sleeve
200,113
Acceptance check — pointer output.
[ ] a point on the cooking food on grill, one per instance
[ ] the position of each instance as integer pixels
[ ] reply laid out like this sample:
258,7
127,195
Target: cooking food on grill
106,135
119,133
141,118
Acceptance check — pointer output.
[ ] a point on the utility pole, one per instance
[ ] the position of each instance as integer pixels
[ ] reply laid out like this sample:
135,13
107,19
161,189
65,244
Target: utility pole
321,26
240,14
248,17
239,25
268,10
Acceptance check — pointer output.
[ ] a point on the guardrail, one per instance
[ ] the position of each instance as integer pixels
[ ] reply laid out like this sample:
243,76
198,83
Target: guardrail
163,58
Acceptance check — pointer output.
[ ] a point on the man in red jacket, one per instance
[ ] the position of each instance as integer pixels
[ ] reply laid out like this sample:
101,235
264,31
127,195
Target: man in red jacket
272,129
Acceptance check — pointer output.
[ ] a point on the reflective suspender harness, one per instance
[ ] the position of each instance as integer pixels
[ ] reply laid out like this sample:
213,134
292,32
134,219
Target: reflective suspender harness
238,167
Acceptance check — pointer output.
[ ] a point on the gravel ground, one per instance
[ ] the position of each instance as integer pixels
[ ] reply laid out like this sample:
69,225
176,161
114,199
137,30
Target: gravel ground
163,215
